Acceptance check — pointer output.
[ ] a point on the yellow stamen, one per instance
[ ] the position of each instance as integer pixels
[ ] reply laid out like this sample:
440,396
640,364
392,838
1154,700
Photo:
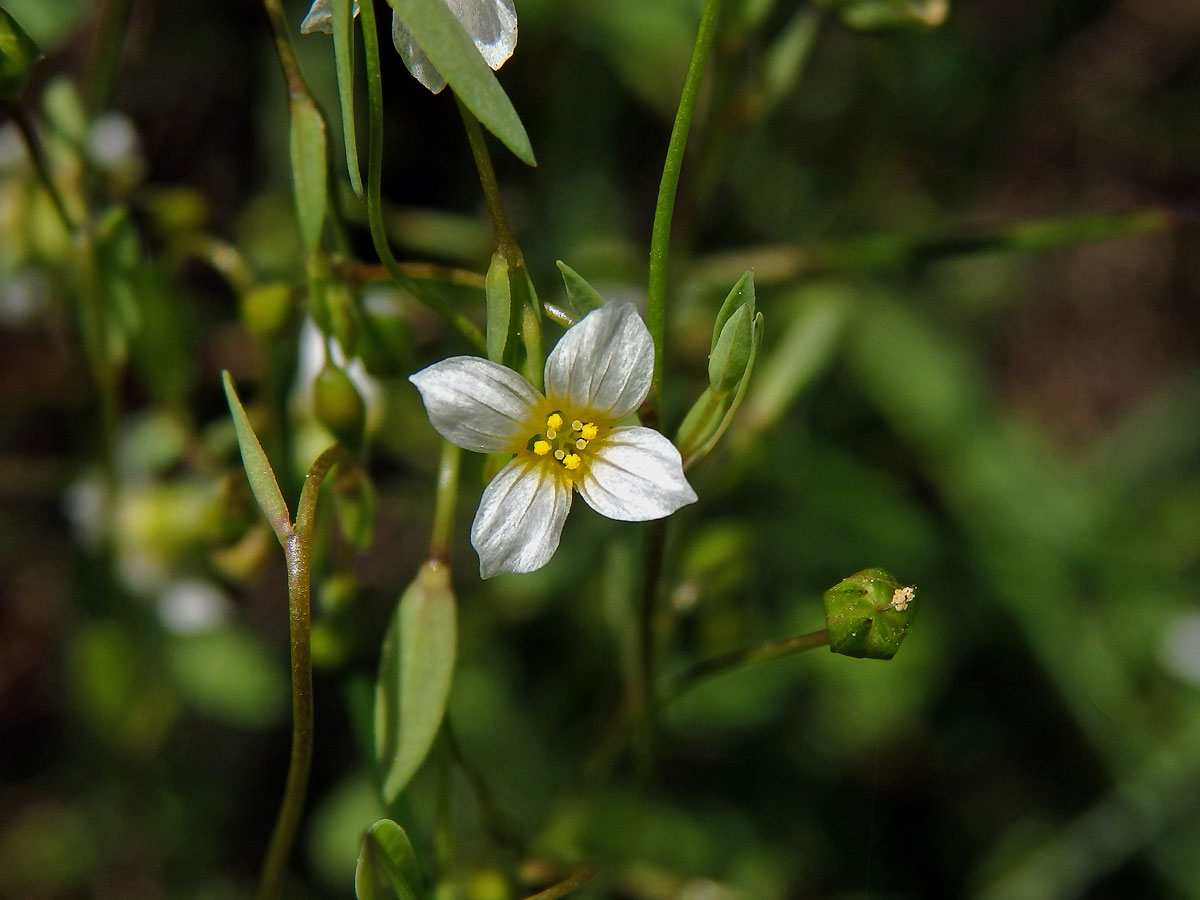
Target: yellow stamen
551,433
559,454
541,448
589,431
580,444
554,421
577,425
571,461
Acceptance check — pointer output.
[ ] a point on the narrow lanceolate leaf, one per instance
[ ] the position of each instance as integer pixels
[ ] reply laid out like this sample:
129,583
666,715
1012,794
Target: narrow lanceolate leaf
343,55
584,298
258,468
455,56
18,55
387,866
414,676
308,168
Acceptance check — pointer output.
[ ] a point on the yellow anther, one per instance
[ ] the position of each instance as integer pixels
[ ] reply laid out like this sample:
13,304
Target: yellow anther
580,444
577,425
541,448
554,421
589,430
571,461
551,433
559,454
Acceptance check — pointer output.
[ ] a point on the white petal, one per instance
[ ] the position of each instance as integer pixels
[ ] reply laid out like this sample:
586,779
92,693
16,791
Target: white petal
636,475
492,25
414,57
320,18
603,363
476,404
520,518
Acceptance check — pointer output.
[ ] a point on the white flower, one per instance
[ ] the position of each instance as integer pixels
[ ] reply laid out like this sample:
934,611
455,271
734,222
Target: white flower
567,440
492,25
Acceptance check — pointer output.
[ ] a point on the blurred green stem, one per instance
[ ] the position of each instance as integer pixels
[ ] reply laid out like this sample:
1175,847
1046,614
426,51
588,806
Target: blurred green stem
297,549
463,325
656,299
643,699
773,265
104,59
447,496
682,683
576,879
33,144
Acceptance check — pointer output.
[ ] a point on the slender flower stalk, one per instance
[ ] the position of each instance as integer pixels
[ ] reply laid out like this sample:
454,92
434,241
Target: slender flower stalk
296,541
656,297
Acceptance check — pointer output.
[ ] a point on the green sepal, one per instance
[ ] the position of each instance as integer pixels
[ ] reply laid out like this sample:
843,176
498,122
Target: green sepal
741,293
387,866
343,56
455,56
581,295
258,468
415,671
308,168
501,323
18,55
712,414
875,15
733,349
868,614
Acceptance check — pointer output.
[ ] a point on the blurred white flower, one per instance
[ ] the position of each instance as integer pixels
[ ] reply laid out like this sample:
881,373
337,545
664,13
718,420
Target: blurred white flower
492,25
565,441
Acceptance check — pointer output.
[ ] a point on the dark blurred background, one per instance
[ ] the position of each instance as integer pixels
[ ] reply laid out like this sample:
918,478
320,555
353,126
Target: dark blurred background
974,250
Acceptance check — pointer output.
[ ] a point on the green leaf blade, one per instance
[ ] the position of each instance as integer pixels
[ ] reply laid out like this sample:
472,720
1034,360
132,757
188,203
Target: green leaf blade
258,468
455,56
415,673
387,866
582,296
308,168
18,55
343,56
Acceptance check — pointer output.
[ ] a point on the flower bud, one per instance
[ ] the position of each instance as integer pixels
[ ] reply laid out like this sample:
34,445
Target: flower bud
868,614
338,405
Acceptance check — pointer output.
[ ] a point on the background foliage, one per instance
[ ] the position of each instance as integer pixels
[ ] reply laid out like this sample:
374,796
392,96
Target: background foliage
1006,416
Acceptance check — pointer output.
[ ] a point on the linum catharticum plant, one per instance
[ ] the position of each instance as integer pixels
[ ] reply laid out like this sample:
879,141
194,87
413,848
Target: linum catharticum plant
585,417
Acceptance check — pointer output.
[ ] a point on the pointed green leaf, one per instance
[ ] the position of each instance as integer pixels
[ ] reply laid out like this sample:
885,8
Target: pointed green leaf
18,55
742,292
415,671
455,56
732,352
308,168
387,866
343,55
582,296
258,468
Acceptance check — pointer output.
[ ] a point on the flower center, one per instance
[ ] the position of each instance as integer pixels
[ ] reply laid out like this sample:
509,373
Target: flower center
564,442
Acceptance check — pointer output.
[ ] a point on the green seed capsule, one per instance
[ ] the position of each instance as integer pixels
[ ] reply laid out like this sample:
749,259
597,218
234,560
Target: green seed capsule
868,614
338,405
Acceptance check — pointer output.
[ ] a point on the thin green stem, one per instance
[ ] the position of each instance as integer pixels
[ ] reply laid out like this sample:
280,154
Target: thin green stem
463,325
298,553
283,49
37,154
364,273
644,701
447,496
506,241
684,682
656,298
576,879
